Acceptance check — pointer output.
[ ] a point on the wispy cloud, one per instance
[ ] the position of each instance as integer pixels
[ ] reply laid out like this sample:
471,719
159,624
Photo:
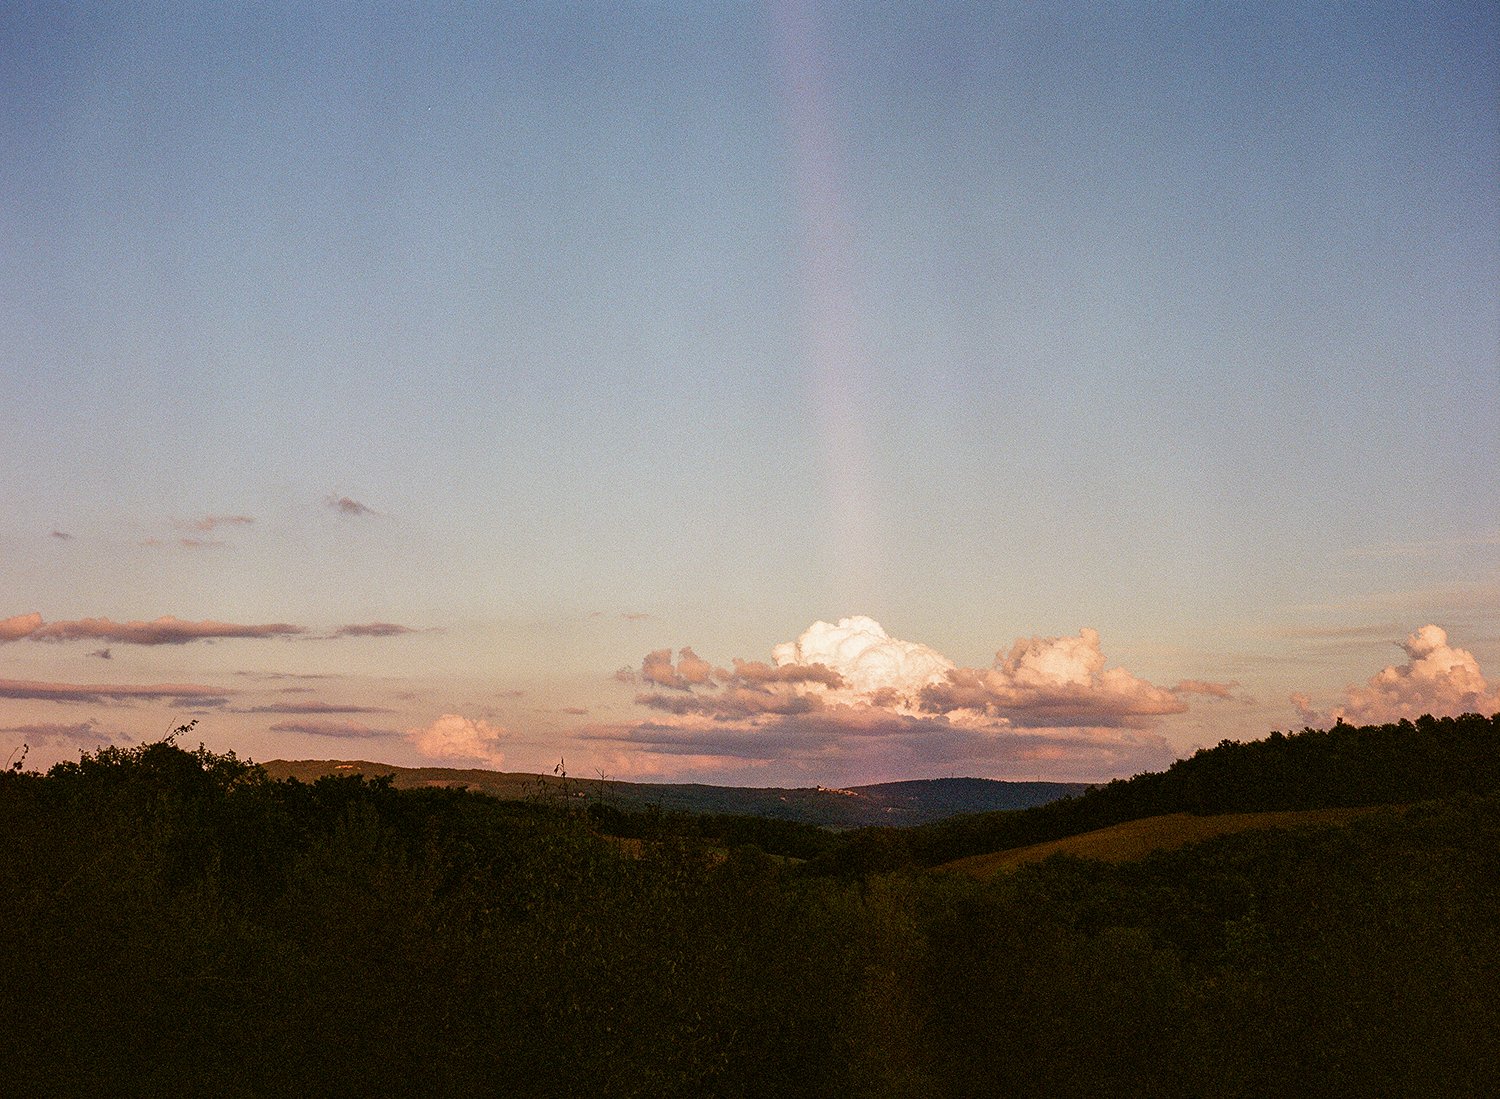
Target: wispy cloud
161,631
342,730
285,675
173,631
210,523
198,531
62,536
1204,687
1457,599
313,708
374,629
187,694
1382,551
1380,631
346,506
79,732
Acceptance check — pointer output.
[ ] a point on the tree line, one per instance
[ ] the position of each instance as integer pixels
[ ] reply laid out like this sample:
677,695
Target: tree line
173,922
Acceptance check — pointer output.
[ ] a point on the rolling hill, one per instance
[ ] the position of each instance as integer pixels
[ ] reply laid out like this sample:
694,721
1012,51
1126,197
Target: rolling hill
889,803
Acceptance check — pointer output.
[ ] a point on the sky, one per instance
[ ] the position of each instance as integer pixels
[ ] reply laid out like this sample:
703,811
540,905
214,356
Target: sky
777,393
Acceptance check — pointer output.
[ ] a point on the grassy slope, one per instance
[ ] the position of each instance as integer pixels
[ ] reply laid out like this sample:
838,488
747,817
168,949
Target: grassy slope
1343,767
1138,838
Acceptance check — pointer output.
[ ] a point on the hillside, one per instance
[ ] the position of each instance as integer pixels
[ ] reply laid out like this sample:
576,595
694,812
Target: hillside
1344,767
1138,838
890,803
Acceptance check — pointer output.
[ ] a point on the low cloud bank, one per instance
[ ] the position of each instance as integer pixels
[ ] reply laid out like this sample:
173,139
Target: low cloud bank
848,698
1437,679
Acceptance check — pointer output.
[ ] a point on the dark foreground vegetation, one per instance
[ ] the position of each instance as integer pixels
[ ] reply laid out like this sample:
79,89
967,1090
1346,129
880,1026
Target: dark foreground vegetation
176,923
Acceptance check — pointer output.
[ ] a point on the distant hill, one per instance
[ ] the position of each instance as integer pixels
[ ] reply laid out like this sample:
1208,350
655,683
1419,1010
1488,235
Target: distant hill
917,801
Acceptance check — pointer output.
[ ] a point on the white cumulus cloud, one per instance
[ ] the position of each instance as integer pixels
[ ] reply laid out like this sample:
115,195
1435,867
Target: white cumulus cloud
866,657
455,738
1438,679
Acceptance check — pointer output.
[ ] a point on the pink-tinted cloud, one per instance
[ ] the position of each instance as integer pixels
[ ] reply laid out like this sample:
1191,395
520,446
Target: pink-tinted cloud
186,694
163,631
345,506
1437,679
690,670
62,536
760,674
313,708
201,543
80,732
342,730
732,702
849,698
1203,687
456,739
19,626
1053,682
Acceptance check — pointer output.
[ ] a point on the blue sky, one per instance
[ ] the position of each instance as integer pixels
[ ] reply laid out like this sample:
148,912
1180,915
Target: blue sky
632,327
